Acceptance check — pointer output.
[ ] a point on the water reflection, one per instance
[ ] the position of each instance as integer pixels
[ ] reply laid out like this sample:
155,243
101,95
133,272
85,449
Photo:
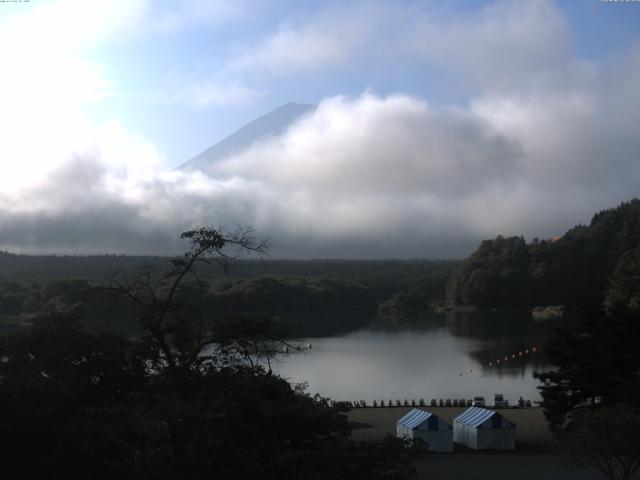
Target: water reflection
429,356
506,339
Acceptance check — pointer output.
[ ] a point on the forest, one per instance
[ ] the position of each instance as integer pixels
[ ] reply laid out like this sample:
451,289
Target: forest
301,293
166,370
187,398
584,267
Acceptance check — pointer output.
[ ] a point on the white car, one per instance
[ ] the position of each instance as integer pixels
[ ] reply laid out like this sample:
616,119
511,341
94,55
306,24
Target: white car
478,402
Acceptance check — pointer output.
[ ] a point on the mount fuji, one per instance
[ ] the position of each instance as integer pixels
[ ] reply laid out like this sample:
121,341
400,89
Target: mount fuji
272,124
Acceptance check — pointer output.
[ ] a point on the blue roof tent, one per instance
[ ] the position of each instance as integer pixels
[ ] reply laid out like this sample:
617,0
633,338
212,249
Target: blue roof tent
476,416
483,429
428,427
417,417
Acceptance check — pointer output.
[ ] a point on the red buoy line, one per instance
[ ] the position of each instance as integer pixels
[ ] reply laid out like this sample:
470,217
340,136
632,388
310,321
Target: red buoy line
506,358
514,356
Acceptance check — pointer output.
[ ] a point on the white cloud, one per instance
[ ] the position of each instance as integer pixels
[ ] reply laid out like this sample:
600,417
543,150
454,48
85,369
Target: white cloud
545,141
370,176
69,26
329,40
504,44
49,77
388,145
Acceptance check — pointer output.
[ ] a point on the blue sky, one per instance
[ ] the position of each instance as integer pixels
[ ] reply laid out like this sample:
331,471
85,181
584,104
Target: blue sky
171,47
597,31
123,92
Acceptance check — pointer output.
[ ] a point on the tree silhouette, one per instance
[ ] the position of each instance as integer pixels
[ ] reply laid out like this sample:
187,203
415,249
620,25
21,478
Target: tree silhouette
174,329
188,400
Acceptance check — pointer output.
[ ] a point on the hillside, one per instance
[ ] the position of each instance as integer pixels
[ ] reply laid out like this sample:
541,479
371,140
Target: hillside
313,297
575,270
383,277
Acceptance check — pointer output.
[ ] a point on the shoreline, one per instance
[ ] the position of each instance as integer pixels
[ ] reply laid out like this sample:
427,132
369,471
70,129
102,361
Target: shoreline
537,455
371,423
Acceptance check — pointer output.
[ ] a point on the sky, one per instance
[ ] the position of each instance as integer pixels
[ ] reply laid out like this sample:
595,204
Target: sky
439,123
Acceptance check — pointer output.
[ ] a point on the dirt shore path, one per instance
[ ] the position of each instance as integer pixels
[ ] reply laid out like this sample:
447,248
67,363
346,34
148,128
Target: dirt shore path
535,458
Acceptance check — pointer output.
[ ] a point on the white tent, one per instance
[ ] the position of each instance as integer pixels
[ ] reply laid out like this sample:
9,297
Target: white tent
483,429
428,427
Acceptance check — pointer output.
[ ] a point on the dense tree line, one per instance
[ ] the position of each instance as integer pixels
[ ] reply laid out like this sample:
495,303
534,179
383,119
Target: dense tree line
187,399
313,297
574,270
297,300
290,295
422,294
591,397
383,278
598,362
79,404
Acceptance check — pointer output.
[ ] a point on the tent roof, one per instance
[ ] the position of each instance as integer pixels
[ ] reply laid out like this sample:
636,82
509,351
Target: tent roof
476,416
415,418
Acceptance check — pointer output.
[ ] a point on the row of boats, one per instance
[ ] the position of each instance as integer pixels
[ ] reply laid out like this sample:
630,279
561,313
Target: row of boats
498,402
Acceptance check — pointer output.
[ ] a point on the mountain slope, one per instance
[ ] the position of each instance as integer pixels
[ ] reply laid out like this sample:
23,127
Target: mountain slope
269,125
587,265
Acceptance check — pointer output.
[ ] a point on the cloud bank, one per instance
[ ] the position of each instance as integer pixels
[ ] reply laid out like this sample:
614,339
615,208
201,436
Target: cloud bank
364,177
544,140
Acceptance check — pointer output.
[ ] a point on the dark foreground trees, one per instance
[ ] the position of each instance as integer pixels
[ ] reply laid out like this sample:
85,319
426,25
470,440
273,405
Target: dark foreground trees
597,363
592,399
605,439
189,400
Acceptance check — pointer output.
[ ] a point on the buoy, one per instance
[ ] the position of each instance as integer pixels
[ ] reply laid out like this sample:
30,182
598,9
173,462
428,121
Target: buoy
506,358
519,354
513,356
491,364
526,351
471,370
459,374
533,349
497,361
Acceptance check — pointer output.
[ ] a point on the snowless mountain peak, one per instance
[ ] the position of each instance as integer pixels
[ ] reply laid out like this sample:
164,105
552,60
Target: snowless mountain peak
272,124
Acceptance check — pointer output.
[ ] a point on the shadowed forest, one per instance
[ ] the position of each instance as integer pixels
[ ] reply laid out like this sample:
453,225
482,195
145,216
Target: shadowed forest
136,367
587,265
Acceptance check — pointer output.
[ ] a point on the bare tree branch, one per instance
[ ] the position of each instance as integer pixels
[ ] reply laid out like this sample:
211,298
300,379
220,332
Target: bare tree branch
155,296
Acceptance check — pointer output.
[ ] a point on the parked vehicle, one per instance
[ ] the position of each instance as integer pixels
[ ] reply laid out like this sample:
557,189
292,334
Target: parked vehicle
498,401
478,402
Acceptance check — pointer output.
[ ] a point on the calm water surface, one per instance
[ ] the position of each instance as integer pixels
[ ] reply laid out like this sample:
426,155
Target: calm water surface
428,357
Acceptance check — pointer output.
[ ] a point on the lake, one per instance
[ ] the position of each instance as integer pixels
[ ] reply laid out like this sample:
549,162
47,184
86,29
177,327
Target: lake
432,356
